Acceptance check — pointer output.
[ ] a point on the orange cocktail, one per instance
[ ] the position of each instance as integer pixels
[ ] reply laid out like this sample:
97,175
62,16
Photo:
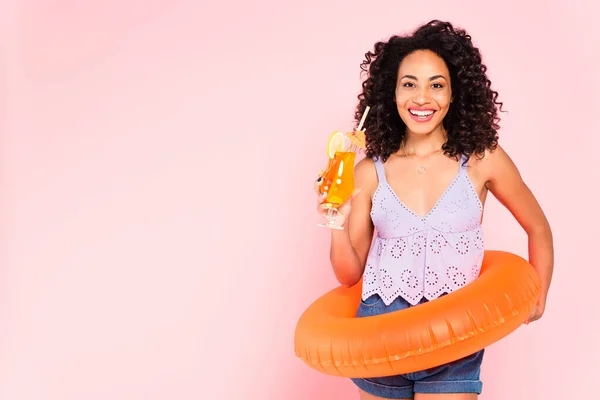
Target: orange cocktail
338,180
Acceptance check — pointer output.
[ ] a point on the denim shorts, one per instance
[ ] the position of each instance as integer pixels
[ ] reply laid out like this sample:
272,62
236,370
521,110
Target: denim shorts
460,376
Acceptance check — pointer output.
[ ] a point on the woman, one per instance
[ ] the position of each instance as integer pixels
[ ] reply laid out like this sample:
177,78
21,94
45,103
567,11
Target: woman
432,156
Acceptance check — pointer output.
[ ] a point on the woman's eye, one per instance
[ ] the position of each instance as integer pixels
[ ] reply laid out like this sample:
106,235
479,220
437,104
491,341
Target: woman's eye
408,84
437,85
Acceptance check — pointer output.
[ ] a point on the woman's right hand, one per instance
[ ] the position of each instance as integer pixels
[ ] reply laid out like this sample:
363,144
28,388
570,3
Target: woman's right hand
322,208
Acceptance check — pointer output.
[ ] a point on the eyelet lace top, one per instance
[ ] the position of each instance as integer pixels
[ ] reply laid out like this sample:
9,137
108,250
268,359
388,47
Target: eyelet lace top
416,256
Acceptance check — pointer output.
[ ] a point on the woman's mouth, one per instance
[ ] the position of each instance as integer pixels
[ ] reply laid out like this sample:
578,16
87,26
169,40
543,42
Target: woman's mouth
421,115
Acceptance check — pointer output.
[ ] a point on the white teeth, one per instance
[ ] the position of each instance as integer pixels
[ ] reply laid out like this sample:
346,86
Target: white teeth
421,113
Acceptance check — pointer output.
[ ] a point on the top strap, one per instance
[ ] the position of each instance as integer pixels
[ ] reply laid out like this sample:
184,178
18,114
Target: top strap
464,161
380,170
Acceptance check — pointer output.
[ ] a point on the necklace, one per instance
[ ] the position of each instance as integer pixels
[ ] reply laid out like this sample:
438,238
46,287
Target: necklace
421,169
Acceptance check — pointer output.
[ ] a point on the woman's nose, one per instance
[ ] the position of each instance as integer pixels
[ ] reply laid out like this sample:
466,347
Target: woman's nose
421,97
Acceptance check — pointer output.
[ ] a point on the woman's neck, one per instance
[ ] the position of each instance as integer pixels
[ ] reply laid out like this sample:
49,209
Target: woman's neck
422,145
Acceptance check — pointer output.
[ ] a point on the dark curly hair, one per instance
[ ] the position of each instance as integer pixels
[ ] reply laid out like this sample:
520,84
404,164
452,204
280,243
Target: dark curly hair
471,122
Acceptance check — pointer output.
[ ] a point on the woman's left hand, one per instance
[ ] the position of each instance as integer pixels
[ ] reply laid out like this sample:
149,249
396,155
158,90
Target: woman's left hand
537,311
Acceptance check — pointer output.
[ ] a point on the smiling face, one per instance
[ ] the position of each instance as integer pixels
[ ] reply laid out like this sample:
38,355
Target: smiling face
423,92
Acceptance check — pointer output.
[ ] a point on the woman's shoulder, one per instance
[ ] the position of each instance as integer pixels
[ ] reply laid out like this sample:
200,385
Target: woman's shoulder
488,158
484,165
365,174
366,167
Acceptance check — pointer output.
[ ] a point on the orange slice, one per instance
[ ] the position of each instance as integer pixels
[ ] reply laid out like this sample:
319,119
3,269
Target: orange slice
336,142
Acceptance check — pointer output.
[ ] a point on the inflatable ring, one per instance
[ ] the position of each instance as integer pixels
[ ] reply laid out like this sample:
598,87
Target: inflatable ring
330,339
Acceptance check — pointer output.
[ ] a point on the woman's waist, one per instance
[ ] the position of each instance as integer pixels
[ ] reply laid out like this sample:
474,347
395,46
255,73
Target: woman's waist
421,250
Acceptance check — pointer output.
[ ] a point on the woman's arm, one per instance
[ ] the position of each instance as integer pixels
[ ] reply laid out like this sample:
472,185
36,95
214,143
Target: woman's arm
506,184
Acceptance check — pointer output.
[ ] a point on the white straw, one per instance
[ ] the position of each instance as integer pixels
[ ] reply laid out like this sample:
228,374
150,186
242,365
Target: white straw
362,120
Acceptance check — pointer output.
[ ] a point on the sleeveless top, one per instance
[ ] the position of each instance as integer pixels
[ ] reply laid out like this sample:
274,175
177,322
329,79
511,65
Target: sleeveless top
416,256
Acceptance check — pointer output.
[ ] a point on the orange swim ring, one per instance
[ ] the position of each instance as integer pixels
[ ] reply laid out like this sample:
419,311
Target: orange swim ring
330,339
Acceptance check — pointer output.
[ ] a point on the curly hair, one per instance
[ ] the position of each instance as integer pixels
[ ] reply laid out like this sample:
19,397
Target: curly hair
471,122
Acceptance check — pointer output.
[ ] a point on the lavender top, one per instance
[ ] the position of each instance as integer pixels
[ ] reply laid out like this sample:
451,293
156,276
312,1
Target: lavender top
416,256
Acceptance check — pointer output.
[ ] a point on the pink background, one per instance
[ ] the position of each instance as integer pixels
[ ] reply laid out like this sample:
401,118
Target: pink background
159,235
